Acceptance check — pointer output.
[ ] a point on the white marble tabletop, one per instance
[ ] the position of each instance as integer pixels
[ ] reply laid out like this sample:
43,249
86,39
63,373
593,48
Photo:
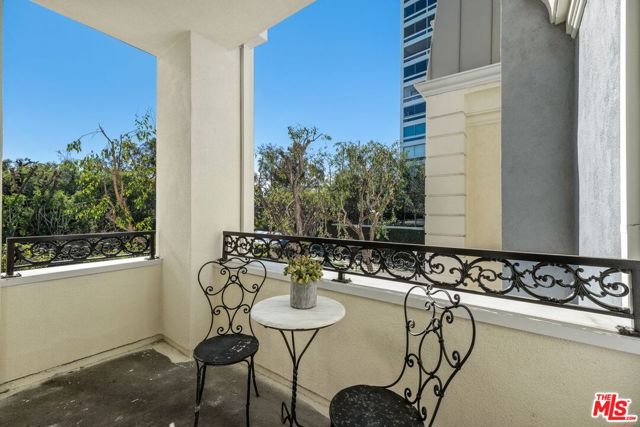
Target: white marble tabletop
276,313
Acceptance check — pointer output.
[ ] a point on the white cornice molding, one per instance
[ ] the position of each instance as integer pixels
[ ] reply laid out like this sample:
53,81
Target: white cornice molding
558,10
569,11
464,80
575,17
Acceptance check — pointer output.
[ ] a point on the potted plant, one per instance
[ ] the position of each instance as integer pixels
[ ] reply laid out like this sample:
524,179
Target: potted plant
305,273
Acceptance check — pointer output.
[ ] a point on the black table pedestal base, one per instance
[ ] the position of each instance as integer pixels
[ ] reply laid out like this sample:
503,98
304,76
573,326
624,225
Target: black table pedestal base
287,416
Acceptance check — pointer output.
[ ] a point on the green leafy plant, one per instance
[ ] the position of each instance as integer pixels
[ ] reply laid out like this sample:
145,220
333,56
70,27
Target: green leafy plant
303,270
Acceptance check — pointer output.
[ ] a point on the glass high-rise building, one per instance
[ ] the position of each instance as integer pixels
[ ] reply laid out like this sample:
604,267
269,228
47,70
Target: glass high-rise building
417,27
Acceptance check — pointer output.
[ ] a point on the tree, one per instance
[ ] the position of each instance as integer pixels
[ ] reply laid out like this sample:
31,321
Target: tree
291,195
37,197
118,183
359,187
368,177
409,204
111,190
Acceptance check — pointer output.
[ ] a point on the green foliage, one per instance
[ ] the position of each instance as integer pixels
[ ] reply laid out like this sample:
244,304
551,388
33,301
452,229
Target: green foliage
409,204
111,190
299,189
359,187
37,197
303,270
118,183
290,192
368,178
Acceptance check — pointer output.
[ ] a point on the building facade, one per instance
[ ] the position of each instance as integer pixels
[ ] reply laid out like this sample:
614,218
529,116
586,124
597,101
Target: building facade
417,27
532,142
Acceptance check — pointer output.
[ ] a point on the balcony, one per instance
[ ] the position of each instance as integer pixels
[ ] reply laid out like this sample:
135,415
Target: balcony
543,321
102,331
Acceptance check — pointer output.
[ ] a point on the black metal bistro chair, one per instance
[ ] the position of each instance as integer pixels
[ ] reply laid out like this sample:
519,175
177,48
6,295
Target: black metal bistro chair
423,370
235,291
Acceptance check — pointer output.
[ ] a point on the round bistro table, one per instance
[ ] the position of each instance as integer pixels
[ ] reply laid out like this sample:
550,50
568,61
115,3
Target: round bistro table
276,313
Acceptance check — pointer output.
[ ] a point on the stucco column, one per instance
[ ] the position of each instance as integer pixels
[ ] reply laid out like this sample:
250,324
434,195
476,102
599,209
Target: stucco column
204,143
445,223
463,191
630,126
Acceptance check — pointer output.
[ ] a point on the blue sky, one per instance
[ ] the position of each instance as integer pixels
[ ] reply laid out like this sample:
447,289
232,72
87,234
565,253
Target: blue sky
61,79
334,65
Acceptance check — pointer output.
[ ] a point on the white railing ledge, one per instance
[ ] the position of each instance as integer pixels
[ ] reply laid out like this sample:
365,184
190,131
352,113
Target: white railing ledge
39,275
557,322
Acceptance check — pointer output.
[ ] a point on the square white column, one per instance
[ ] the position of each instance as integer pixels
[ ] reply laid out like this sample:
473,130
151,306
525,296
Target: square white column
205,151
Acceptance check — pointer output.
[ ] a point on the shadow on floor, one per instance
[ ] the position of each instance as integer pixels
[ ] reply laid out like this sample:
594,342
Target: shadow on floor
146,389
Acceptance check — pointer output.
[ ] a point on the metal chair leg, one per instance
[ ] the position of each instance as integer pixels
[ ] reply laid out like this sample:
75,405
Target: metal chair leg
201,371
253,372
249,375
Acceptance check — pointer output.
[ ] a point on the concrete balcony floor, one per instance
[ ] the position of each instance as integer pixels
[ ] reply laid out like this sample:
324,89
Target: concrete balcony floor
147,389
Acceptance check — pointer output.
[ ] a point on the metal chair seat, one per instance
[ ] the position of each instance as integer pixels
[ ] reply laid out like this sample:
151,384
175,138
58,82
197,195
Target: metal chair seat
226,349
370,406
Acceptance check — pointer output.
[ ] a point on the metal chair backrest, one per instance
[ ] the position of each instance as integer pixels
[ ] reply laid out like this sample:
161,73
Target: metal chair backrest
231,293
436,374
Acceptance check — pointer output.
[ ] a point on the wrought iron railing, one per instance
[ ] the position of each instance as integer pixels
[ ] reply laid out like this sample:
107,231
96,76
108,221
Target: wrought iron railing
25,253
597,285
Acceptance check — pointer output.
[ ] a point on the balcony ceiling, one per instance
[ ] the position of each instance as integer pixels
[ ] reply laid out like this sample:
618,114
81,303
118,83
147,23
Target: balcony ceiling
153,25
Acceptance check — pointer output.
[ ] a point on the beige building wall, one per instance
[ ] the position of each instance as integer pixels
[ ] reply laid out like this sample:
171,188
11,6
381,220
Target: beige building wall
483,210
47,324
463,164
513,378
446,182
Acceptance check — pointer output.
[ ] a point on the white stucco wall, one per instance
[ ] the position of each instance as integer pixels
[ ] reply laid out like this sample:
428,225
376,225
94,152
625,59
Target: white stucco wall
598,129
630,125
47,324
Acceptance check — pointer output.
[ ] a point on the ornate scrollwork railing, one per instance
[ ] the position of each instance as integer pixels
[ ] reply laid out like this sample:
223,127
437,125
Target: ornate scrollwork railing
49,251
598,285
